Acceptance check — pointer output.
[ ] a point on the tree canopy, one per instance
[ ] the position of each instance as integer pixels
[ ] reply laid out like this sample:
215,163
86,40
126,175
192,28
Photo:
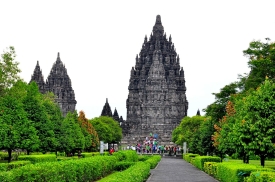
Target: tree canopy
8,69
107,128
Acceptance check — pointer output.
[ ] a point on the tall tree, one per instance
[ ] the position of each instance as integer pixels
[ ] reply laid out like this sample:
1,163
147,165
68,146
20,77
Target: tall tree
256,120
91,137
107,128
16,131
218,109
8,69
54,115
36,112
185,132
261,61
71,137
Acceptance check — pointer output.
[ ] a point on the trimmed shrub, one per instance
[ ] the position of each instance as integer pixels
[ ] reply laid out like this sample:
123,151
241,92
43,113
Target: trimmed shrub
136,173
189,156
120,166
38,158
143,158
126,155
210,168
264,176
192,161
200,160
88,169
153,161
13,165
5,155
92,154
232,172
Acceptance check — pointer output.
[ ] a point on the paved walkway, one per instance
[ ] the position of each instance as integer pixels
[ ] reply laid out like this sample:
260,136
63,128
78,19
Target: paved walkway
172,169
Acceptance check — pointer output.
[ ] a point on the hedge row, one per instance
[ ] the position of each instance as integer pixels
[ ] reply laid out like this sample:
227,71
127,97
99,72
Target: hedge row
38,158
232,172
143,157
189,156
126,155
211,168
5,156
92,154
13,165
200,160
120,166
87,169
136,173
261,176
153,161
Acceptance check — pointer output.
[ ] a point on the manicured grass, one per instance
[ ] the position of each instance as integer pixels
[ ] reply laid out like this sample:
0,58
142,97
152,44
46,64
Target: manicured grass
269,164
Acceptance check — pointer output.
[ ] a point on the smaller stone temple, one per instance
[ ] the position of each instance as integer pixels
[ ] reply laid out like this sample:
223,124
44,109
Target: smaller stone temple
107,111
57,82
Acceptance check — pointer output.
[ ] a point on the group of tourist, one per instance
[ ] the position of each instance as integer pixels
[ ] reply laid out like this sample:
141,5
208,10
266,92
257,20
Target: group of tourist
150,145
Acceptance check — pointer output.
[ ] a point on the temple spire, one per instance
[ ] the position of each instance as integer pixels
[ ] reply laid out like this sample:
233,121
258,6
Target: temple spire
158,20
58,58
198,113
106,111
158,29
116,116
38,78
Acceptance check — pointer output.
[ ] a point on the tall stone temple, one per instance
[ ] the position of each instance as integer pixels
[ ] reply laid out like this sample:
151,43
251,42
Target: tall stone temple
157,101
57,82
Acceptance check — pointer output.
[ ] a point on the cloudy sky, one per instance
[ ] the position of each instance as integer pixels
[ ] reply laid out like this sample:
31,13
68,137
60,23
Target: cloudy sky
98,42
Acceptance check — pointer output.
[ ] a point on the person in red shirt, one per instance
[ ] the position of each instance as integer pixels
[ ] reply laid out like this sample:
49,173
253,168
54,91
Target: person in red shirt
111,151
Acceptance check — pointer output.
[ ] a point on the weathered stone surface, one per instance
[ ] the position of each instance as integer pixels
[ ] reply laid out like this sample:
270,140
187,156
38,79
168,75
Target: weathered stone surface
116,116
157,101
59,83
106,111
38,78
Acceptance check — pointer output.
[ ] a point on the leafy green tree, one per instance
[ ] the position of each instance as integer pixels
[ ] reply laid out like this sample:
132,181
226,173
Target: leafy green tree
205,142
256,120
186,132
91,137
107,128
71,137
16,131
54,115
218,109
261,61
36,112
8,69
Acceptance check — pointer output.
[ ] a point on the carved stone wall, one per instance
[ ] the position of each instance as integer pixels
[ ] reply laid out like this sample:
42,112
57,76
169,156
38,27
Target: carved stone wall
59,83
157,101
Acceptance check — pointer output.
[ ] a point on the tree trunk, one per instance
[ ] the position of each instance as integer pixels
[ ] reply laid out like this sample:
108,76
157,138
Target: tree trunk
28,152
247,159
9,153
262,160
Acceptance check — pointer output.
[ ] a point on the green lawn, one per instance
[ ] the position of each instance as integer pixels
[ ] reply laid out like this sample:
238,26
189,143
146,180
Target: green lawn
269,164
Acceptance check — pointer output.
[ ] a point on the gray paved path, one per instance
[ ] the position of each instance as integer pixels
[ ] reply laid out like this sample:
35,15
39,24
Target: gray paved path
170,169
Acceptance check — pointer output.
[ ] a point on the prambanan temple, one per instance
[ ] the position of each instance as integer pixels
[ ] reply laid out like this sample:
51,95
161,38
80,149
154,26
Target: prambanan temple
59,83
157,101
